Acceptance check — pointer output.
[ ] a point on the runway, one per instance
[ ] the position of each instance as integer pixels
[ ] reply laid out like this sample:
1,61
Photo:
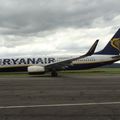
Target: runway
68,97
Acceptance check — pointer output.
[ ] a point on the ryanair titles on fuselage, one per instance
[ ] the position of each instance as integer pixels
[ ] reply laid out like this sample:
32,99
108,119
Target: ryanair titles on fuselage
26,61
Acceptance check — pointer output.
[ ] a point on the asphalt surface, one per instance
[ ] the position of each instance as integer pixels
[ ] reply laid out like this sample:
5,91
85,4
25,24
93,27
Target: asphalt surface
68,97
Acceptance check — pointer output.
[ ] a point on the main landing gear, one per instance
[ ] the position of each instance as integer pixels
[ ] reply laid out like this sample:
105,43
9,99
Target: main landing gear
54,73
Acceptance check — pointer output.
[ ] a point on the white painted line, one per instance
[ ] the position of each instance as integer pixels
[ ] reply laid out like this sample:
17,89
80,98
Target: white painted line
59,105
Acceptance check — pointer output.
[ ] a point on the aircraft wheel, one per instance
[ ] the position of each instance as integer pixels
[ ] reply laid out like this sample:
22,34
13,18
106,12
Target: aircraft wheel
54,74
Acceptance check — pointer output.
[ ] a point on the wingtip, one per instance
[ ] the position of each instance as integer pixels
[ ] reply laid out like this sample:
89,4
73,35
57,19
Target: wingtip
92,49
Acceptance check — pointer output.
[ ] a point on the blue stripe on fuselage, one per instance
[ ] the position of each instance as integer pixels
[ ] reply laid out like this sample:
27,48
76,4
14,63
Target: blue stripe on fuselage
88,65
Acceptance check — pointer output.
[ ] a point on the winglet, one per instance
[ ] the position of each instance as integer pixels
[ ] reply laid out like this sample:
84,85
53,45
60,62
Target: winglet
68,61
92,49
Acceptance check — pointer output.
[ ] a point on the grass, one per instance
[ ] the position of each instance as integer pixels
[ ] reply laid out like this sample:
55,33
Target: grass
13,74
95,71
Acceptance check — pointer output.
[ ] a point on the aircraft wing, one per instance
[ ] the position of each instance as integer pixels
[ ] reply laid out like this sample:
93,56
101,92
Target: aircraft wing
66,62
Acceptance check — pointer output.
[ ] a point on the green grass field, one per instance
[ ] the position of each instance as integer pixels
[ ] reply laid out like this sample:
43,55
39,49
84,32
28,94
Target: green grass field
95,71
8,74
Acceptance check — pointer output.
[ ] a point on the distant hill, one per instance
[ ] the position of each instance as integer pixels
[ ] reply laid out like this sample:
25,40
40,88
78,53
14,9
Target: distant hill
115,65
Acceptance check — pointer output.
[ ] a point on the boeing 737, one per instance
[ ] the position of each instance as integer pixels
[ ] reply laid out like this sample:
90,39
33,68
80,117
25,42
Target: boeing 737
108,55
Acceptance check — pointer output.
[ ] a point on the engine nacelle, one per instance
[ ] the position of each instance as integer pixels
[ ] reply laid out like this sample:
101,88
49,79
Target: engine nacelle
36,70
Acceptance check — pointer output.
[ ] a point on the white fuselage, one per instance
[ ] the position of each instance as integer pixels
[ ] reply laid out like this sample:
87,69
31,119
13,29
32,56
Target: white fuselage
42,61
94,59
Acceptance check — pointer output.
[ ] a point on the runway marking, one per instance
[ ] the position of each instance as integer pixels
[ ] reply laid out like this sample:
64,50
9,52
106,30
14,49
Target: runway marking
59,105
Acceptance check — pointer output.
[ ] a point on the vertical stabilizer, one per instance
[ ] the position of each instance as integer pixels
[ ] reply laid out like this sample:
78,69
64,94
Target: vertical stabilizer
113,47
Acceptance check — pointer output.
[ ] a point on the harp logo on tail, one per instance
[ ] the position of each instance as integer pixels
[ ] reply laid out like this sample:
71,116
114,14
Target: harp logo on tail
116,43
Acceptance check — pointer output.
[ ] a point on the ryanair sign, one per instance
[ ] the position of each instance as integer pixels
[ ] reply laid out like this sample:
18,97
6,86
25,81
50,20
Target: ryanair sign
116,43
23,61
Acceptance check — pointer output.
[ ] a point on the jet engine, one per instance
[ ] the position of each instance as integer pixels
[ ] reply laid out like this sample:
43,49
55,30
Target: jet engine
36,70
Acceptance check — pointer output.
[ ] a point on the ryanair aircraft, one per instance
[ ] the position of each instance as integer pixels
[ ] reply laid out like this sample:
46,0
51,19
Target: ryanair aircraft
39,65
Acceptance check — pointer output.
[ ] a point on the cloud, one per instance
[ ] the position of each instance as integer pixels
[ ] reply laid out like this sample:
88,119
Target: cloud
67,42
61,25
30,17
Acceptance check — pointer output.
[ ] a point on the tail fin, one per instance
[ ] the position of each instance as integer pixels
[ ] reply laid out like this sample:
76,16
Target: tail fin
113,47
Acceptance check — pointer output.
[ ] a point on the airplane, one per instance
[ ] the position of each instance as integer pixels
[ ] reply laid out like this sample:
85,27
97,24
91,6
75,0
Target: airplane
91,59
41,65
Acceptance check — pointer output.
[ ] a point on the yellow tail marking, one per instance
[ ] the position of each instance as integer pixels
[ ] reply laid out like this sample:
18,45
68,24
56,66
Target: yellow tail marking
116,43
